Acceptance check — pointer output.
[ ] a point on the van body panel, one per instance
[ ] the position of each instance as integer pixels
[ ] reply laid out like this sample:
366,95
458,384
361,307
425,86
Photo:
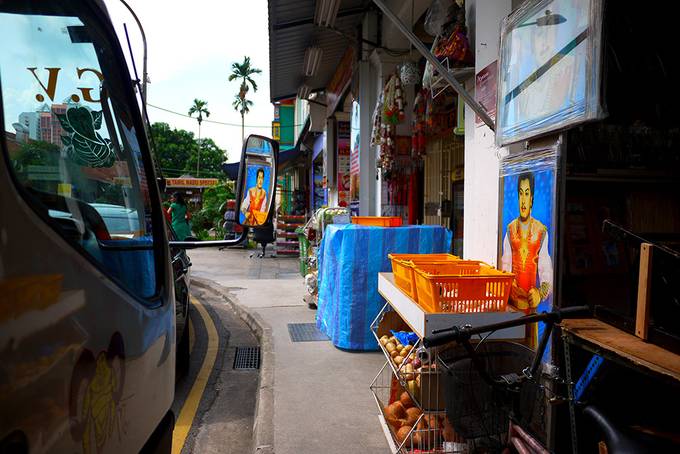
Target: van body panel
86,365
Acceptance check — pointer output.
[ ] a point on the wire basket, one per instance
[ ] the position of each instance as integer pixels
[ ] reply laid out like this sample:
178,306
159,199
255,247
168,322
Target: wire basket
414,430
465,286
477,409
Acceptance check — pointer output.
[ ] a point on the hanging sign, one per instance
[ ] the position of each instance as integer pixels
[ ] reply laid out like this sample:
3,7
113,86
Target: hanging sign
343,163
486,91
340,81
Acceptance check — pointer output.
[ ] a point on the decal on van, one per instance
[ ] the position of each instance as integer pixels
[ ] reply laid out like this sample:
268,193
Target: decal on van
96,387
83,144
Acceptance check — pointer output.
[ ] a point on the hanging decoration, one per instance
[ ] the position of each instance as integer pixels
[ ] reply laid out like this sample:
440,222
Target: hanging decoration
409,73
392,114
409,70
419,125
376,131
393,107
451,47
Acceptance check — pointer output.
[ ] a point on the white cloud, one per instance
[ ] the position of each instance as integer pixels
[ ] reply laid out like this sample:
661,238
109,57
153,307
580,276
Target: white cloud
191,46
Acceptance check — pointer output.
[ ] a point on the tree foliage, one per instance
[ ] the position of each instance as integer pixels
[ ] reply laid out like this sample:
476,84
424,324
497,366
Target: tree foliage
36,152
200,108
177,152
211,215
244,72
242,105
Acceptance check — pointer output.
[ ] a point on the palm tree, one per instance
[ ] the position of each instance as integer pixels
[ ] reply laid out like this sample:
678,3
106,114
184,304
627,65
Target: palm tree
243,72
201,108
242,105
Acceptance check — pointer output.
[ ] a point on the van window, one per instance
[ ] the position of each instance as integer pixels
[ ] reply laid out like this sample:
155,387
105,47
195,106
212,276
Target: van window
71,144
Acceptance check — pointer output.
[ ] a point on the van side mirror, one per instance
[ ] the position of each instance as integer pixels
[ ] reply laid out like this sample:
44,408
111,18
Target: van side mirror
256,188
255,191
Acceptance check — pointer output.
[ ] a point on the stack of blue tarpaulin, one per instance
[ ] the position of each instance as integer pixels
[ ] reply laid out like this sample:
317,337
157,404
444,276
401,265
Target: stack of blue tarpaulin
350,258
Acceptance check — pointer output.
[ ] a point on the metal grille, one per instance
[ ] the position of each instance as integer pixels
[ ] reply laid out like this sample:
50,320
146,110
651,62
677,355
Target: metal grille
247,358
305,332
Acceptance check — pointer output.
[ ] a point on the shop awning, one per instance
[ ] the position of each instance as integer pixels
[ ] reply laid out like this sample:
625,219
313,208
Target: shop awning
292,31
231,169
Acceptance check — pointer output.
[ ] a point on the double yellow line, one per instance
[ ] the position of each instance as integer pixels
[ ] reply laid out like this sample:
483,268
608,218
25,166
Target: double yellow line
190,407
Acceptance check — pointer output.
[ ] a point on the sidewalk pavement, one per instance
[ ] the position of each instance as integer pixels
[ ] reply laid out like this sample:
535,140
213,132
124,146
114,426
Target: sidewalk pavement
321,397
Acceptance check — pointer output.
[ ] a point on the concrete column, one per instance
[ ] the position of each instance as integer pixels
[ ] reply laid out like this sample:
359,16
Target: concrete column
367,182
481,155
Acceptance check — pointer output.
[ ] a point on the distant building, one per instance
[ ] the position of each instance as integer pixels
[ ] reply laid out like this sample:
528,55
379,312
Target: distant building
42,124
30,125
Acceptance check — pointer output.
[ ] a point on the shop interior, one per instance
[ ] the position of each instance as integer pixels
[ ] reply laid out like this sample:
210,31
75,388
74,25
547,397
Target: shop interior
625,169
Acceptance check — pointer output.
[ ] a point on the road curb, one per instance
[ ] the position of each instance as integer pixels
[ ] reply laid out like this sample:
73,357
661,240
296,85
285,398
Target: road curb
263,425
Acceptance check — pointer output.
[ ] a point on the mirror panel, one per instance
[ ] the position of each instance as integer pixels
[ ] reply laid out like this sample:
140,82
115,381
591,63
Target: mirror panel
257,180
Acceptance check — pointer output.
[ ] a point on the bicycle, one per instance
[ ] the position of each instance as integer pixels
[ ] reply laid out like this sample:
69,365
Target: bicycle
488,400
497,407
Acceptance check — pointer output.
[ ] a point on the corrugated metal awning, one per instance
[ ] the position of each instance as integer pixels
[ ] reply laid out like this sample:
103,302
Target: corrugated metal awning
292,30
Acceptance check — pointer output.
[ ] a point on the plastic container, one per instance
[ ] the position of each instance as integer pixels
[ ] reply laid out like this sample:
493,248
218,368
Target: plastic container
377,221
463,287
402,268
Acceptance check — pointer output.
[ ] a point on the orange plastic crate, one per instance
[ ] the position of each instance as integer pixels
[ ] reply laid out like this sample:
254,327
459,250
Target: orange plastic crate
377,221
463,287
402,268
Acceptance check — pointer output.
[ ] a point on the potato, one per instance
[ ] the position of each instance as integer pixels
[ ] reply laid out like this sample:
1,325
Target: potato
398,359
402,436
394,354
403,352
412,387
398,346
390,347
408,347
408,372
384,340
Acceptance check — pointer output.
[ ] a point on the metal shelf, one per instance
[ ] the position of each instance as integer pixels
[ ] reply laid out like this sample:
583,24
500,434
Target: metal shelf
422,322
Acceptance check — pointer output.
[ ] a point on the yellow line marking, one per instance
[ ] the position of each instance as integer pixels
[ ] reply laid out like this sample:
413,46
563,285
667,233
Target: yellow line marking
192,336
188,412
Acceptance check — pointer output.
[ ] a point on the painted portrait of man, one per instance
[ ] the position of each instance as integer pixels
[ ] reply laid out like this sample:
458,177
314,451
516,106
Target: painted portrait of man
526,243
254,205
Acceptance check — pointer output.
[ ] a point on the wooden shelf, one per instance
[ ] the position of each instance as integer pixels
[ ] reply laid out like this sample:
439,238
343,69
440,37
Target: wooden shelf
422,323
615,344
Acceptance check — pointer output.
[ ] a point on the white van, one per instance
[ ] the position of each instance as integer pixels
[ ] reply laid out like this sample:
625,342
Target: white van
87,292
87,313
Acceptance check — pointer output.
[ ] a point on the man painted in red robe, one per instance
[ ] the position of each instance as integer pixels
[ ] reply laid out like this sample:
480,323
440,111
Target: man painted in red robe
525,253
254,205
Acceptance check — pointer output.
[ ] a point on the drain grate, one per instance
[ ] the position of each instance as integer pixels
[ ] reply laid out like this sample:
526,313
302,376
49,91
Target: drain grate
247,358
305,332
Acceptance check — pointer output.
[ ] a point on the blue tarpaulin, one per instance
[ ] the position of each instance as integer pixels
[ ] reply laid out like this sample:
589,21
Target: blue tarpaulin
350,258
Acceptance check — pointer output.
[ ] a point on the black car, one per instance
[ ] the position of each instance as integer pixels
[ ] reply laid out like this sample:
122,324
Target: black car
181,269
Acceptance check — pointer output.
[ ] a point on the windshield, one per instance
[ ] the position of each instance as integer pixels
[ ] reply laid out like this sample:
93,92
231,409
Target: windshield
70,139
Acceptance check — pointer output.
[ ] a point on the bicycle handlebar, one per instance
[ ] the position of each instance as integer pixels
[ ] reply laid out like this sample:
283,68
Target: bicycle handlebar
456,333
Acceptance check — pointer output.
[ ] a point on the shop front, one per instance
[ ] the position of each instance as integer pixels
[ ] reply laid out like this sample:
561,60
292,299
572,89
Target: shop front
516,148
190,188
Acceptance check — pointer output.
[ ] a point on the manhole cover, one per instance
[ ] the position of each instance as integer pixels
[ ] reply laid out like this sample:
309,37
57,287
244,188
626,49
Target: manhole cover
305,332
247,358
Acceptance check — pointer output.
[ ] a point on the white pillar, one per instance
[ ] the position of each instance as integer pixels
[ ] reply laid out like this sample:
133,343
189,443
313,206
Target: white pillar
368,187
481,155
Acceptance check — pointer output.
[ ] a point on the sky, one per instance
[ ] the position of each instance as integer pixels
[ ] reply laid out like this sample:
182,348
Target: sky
191,46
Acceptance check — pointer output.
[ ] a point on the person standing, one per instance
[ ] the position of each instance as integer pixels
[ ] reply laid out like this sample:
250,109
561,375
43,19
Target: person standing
180,215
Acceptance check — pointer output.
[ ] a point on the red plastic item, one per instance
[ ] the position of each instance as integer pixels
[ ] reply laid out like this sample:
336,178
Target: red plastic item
377,221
